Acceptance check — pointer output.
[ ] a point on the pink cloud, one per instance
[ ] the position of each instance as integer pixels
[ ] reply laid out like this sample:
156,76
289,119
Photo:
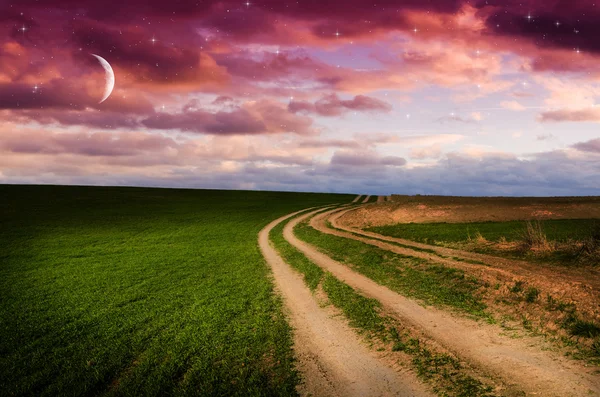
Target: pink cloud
332,105
253,117
587,114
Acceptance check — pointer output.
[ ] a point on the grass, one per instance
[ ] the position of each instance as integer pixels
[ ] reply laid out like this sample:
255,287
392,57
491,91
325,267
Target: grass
364,314
564,241
410,276
561,230
442,367
131,291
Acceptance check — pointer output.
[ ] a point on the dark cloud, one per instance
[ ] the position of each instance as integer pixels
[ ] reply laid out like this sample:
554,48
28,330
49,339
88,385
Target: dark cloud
54,94
577,22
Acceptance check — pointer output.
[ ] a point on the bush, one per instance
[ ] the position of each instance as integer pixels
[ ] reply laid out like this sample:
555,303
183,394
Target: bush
534,237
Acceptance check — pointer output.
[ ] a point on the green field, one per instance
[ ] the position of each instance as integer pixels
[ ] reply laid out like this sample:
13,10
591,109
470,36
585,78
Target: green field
132,291
561,230
570,241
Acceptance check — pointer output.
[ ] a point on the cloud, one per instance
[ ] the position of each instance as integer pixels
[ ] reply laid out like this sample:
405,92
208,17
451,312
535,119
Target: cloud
428,152
591,146
512,105
364,158
545,137
253,117
332,105
577,115
456,118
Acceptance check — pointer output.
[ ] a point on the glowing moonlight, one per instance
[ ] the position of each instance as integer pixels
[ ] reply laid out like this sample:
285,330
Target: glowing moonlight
110,77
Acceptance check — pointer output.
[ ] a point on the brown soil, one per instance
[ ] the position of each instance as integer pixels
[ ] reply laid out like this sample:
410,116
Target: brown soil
331,358
519,362
422,209
380,199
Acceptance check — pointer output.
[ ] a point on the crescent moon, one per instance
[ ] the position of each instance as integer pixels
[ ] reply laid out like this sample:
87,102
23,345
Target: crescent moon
110,77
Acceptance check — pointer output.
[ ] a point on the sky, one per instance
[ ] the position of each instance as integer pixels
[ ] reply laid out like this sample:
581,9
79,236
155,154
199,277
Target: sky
453,97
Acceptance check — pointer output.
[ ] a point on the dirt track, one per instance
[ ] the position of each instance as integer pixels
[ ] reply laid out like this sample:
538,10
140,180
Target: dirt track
332,359
519,362
357,198
366,200
581,285
381,199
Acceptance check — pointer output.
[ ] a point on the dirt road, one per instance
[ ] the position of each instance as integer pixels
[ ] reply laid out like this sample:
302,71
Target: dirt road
577,283
357,198
331,358
380,199
366,200
520,363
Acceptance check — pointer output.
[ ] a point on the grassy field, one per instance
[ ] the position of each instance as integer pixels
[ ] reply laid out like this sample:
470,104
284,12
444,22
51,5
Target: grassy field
560,241
130,291
561,230
409,276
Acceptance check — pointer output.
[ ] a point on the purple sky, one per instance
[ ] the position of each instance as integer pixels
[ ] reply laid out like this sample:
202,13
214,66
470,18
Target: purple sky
412,96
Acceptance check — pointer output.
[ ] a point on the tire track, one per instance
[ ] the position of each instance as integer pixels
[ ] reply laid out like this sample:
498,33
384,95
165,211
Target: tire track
516,361
506,268
366,200
331,358
357,198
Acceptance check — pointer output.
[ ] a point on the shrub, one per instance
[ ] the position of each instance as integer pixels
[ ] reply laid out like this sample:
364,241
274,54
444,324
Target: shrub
533,237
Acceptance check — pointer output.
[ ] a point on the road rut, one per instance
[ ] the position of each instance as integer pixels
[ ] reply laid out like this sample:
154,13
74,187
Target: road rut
331,358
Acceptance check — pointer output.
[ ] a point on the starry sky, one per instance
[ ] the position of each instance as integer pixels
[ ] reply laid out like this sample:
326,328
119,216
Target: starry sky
482,97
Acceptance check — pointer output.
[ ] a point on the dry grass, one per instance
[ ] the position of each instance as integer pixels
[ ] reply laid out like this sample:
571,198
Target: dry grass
591,245
533,238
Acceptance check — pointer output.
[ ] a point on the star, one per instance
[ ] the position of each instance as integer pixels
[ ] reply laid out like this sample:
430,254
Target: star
23,29
529,17
577,50
247,4
557,23
153,40
415,30
337,33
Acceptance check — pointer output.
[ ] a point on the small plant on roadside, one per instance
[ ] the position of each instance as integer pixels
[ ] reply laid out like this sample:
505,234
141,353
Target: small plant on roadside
590,247
596,347
517,288
532,294
586,329
527,323
533,238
